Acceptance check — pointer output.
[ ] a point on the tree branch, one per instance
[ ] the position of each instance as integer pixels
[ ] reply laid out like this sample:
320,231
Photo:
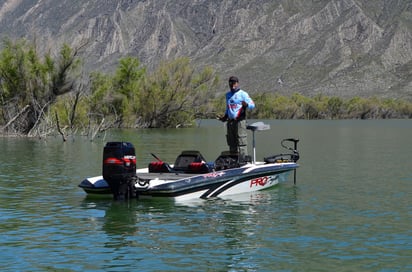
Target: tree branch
15,117
58,127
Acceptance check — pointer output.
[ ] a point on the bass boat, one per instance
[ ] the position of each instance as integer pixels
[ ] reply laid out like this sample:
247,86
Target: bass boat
191,176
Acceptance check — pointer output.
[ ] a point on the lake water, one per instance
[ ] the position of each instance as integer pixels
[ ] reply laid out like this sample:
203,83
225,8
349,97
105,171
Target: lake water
350,210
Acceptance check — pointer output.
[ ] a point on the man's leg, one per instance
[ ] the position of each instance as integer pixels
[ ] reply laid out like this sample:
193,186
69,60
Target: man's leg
232,136
242,138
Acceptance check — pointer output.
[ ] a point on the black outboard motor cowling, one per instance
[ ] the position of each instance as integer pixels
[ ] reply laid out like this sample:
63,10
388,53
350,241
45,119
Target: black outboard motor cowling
119,169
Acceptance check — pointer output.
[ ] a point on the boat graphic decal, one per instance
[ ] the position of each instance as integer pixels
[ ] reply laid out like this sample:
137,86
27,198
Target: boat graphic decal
260,181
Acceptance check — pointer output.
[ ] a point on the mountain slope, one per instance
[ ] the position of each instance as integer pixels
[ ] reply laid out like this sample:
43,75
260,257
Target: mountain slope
333,47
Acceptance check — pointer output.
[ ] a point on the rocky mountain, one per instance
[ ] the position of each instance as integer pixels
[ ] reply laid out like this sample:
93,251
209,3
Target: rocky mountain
332,47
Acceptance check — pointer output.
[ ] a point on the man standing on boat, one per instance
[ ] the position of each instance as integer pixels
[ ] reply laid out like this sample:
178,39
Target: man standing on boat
237,101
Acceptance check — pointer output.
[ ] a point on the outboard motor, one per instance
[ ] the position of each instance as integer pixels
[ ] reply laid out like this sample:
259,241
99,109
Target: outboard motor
119,169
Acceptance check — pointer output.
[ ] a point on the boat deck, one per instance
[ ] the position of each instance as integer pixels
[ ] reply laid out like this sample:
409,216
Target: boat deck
166,176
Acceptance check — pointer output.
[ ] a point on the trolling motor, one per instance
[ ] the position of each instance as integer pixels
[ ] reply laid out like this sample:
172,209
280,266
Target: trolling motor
295,154
119,169
285,157
288,157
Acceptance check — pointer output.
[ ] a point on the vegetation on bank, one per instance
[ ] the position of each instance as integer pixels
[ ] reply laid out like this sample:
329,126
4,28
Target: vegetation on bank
41,95
297,106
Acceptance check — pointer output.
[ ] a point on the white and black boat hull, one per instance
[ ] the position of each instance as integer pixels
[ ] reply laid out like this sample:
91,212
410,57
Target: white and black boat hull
245,179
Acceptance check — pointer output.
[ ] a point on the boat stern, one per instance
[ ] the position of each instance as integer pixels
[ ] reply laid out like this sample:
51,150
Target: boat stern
95,185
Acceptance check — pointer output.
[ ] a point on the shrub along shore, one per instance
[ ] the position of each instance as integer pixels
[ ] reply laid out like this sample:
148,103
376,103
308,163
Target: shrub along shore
45,94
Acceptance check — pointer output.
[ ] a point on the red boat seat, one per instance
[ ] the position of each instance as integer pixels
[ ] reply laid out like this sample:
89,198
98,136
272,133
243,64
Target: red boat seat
159,167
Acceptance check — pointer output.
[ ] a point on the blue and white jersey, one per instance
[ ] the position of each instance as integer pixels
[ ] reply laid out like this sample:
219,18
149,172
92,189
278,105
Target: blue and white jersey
234,108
